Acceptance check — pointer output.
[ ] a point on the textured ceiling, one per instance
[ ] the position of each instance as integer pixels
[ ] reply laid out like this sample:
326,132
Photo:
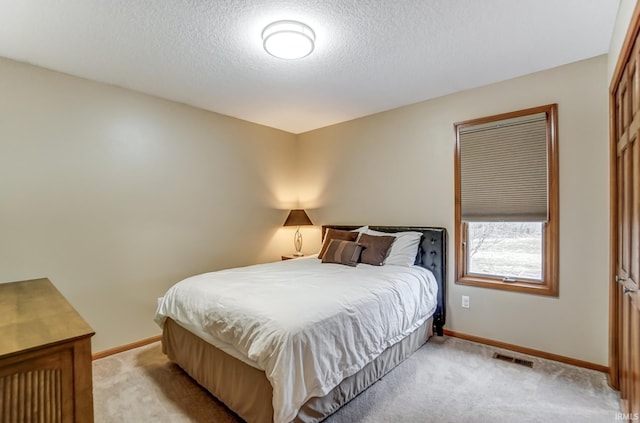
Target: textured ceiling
370,56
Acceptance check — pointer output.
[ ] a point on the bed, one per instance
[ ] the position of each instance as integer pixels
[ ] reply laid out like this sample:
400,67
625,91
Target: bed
302,360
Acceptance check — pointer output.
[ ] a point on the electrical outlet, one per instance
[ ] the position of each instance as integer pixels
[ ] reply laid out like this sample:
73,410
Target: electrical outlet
465,301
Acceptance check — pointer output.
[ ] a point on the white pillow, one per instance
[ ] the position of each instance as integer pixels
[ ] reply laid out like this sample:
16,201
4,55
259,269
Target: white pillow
361,230
404,249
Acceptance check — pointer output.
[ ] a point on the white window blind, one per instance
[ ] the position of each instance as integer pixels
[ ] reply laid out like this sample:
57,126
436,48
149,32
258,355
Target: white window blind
503,170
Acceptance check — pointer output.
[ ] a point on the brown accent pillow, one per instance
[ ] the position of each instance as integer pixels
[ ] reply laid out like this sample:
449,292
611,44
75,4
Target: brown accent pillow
336,234
342,252
376,248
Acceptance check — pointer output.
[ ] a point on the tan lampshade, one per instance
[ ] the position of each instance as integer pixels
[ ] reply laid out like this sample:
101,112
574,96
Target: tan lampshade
297,217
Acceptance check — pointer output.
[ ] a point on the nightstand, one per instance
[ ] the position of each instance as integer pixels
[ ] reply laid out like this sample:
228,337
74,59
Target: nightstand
290,257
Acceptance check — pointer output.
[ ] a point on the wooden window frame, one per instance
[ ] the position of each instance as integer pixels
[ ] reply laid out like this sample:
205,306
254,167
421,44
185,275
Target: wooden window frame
549,284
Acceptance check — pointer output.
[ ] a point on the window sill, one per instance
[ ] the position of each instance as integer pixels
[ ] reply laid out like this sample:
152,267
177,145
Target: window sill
524,287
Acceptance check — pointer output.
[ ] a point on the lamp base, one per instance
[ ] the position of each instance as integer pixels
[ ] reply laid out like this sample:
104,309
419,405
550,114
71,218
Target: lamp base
297,242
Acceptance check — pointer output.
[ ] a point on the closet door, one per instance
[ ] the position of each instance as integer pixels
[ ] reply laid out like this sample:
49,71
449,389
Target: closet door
625,173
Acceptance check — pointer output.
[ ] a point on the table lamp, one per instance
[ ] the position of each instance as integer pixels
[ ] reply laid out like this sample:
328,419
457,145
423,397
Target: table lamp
297,217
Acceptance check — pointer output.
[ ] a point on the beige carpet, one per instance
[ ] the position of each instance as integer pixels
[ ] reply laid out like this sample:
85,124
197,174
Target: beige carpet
447,380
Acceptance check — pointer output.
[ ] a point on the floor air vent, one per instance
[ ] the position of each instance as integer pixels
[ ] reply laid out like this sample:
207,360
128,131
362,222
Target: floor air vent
510,359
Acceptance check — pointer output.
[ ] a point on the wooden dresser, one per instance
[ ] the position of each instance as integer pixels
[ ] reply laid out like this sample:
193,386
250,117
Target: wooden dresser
45,356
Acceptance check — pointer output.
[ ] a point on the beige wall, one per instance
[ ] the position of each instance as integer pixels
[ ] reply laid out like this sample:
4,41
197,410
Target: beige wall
625,12
396,168
115,195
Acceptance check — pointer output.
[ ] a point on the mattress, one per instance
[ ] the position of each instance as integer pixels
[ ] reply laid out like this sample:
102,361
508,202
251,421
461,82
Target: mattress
307,325
247,391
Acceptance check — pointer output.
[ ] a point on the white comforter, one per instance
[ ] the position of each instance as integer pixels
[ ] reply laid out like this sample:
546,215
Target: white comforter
307,324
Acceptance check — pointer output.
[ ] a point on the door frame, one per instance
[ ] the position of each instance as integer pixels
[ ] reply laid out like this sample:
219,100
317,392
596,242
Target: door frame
614,322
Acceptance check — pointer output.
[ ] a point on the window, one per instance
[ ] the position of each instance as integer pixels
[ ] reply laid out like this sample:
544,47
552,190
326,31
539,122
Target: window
505,249
506,207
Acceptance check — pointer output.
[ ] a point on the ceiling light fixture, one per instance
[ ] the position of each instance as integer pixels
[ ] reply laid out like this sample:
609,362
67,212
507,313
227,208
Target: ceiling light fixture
288,39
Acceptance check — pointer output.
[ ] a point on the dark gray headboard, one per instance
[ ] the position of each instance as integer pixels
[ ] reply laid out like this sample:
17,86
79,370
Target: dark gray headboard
431,255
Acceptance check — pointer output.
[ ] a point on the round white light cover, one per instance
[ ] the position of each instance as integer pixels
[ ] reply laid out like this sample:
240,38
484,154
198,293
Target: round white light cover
288,39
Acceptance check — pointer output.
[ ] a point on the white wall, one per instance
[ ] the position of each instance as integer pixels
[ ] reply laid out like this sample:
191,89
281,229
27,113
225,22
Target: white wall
115,195
396,168
625,12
